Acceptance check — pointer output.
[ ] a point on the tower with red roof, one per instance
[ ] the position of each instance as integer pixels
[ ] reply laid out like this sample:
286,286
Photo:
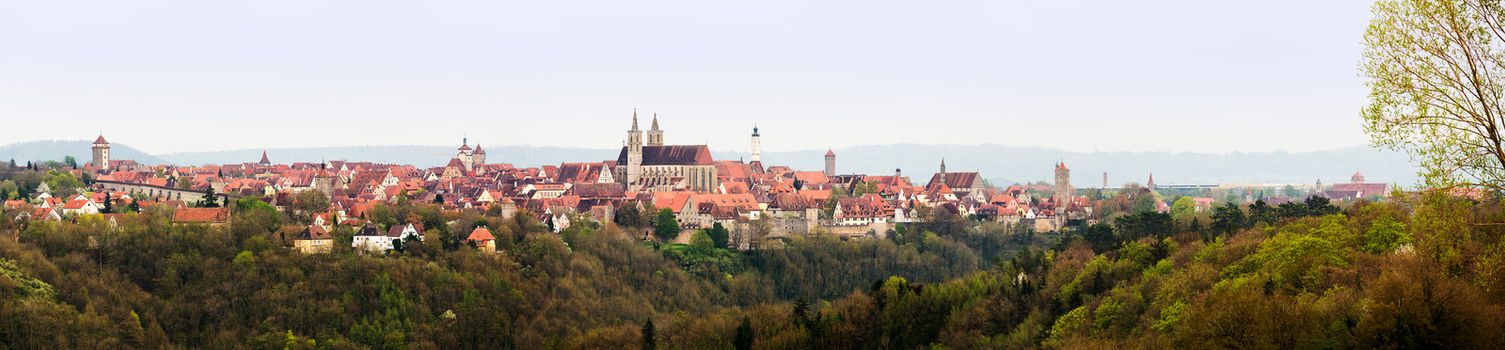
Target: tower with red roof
830,162
101,153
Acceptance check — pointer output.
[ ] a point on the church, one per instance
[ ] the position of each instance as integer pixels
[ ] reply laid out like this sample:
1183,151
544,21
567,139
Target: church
658,167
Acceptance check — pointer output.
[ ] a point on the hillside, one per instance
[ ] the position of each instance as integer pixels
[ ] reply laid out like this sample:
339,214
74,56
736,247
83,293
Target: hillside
79,149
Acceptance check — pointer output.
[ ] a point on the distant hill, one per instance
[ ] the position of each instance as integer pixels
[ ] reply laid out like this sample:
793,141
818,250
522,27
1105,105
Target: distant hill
79,149
999,163
1008,164
423,156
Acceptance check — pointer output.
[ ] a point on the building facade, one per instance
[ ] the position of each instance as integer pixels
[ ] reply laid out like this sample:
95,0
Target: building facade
659,167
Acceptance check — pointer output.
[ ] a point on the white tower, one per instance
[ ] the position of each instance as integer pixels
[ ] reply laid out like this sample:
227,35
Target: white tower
101,153
757,145
634,151
465,155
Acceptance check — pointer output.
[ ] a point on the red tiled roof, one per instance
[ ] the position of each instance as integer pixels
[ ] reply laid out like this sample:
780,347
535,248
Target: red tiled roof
76,203
201,215
957,180
481,234
100,139
672,155
313,232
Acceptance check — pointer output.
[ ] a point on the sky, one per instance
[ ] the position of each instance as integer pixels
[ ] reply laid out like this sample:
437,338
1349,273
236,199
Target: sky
181,76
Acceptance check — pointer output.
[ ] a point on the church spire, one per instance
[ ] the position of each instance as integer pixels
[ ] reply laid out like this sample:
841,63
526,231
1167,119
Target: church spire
655,121
635,119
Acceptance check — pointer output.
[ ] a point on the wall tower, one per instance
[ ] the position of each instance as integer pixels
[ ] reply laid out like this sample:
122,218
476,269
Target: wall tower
101,153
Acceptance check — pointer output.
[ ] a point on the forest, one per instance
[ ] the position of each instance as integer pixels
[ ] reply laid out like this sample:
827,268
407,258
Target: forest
140,281
1414,271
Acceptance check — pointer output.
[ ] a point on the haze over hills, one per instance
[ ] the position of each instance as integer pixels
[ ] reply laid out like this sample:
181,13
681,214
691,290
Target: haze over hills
1001,164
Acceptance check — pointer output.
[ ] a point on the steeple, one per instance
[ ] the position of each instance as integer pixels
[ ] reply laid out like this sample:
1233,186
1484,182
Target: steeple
757,145
264,160
634,150
655,135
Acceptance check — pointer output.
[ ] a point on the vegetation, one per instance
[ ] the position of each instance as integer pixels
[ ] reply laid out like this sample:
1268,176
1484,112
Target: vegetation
1434,75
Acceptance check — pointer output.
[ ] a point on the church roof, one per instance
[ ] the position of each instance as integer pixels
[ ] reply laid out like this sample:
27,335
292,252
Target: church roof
967,179
672,155
264,159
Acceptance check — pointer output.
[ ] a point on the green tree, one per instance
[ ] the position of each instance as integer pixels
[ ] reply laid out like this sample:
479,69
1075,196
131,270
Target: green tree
665,225
629,215
649,343
1434,71
109,205
1183,208
1319,206
1262,213
1145,203
744,338
719,235
1228,218
210,200
70,161
1384,235
309,203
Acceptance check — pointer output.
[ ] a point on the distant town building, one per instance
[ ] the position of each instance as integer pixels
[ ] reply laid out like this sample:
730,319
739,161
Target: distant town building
757,146
830,163
1063,183
1356,188
659,167
313,240
101,154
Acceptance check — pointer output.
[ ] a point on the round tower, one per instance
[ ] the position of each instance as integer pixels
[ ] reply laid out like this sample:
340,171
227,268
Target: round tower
757,145
830,163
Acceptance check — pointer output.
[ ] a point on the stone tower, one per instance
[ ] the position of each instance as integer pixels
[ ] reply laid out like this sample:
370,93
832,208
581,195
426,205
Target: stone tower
480,156
830,163
757,145
101,153
943,170
634,151
655,135
1063,183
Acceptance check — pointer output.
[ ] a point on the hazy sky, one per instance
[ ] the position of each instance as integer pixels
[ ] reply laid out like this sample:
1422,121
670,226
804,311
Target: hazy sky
174,76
